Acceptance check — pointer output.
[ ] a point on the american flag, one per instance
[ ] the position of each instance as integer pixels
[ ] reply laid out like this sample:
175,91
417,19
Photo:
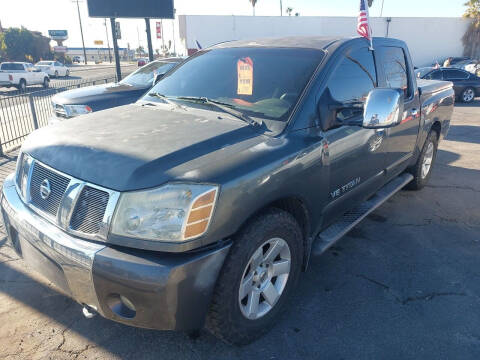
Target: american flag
363,27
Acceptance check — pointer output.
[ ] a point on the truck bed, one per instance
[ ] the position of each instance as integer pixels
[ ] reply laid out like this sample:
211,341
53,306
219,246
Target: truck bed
428,87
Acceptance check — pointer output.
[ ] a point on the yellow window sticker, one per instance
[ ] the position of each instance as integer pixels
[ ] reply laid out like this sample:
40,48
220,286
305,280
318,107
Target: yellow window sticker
245,76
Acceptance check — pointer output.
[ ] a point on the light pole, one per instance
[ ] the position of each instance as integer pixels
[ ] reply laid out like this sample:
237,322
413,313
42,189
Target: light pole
174,42
108,42
381,10
281,8
81,33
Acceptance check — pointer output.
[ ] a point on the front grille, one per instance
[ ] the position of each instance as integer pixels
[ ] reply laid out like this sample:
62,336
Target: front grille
89,210
58,185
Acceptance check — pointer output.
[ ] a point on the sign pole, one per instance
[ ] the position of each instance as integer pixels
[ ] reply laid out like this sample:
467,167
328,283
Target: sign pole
115,49
81,33
149,39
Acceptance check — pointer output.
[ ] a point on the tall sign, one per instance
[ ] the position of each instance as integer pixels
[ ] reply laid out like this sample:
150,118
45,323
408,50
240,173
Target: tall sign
152,9
147,9
58,35
159,30
118,32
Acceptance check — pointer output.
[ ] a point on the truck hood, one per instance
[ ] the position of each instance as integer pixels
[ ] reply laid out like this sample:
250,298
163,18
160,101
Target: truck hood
140,146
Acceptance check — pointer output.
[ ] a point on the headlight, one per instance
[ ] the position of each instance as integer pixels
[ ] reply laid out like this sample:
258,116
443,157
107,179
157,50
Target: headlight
173,212
23,168
75,110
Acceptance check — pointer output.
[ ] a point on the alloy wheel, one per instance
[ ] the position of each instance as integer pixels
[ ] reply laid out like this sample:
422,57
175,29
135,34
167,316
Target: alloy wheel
427,160
468,95
264,278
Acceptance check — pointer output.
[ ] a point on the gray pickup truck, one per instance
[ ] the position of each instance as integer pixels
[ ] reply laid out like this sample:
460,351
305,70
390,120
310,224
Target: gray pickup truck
203,202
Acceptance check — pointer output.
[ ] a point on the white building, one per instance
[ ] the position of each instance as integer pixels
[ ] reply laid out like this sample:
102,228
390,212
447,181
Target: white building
428,38
95,54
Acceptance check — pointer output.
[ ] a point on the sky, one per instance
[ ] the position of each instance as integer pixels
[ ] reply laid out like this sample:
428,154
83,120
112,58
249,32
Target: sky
47,15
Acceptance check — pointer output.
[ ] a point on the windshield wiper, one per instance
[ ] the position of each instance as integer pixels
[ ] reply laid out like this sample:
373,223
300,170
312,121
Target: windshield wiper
224,107
166,99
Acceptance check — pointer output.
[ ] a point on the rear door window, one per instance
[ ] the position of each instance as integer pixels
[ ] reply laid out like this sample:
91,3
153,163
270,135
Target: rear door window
455,75
395,69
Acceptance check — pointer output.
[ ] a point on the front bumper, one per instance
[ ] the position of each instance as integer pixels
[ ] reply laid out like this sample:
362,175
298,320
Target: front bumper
135,287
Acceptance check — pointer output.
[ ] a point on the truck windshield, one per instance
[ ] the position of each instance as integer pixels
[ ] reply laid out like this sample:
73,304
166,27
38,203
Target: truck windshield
260,82
144,76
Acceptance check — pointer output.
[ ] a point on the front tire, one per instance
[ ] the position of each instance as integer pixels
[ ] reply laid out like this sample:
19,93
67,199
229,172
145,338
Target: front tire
46,82
422,170
56,74
468,95
257,279
67,73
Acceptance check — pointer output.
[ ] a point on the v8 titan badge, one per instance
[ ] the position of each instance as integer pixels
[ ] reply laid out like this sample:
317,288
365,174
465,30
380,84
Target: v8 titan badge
245,76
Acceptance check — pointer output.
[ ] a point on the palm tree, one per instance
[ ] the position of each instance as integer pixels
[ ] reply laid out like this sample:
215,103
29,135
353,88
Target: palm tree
471,38
253,2
289,11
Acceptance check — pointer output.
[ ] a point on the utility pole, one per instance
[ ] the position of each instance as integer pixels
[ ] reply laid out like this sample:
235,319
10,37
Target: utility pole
108,42
381,10
281,8
149,39
115,49
81,33
163,38
173,23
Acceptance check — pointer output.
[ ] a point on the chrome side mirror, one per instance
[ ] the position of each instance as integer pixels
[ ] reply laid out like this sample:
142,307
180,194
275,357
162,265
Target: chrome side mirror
382,108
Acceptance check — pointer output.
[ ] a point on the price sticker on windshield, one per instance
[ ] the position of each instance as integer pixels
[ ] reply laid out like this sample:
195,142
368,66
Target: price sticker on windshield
245,76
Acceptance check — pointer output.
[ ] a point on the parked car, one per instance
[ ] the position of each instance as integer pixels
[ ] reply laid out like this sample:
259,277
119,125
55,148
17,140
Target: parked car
206,198
22,74
84,100
142,61
77,59
465,84
53,68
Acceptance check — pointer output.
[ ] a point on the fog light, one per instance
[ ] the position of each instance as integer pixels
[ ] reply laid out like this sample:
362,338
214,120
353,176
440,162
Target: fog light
127,303
121,305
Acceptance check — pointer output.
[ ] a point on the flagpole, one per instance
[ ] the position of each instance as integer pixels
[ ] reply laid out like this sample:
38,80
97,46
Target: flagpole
369,28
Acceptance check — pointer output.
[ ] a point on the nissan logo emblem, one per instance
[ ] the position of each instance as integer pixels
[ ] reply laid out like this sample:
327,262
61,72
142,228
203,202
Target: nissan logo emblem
45,189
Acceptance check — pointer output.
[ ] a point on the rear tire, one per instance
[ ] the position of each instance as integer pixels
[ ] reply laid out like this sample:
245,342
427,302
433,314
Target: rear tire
56,74
46,82
422,170
67,74
266,259
467,95
22,86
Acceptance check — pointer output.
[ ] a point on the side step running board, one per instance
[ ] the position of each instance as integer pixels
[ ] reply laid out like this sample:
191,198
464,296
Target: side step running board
352,217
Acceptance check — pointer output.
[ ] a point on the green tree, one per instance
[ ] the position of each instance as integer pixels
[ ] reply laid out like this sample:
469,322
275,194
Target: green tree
471,38
20,44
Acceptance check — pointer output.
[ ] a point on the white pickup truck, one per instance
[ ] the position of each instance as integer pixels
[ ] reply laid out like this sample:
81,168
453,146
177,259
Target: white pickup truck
22,74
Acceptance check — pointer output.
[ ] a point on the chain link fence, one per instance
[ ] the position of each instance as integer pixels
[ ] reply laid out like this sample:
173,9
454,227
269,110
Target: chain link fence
21,114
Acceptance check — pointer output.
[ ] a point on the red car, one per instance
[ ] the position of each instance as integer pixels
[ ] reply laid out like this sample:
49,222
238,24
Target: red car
142,62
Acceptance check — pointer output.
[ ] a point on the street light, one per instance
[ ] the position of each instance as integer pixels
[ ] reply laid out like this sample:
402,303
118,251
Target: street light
108,42
81,32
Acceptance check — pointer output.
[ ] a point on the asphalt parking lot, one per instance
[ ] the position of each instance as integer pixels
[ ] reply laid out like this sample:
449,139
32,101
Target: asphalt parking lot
404,284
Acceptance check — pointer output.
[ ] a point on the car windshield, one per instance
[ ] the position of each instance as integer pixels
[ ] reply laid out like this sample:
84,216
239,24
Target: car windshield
259,82
144,76
44,63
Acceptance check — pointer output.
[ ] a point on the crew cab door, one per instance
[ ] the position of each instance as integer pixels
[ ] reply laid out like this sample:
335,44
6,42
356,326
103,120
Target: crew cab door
397,73
356,155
